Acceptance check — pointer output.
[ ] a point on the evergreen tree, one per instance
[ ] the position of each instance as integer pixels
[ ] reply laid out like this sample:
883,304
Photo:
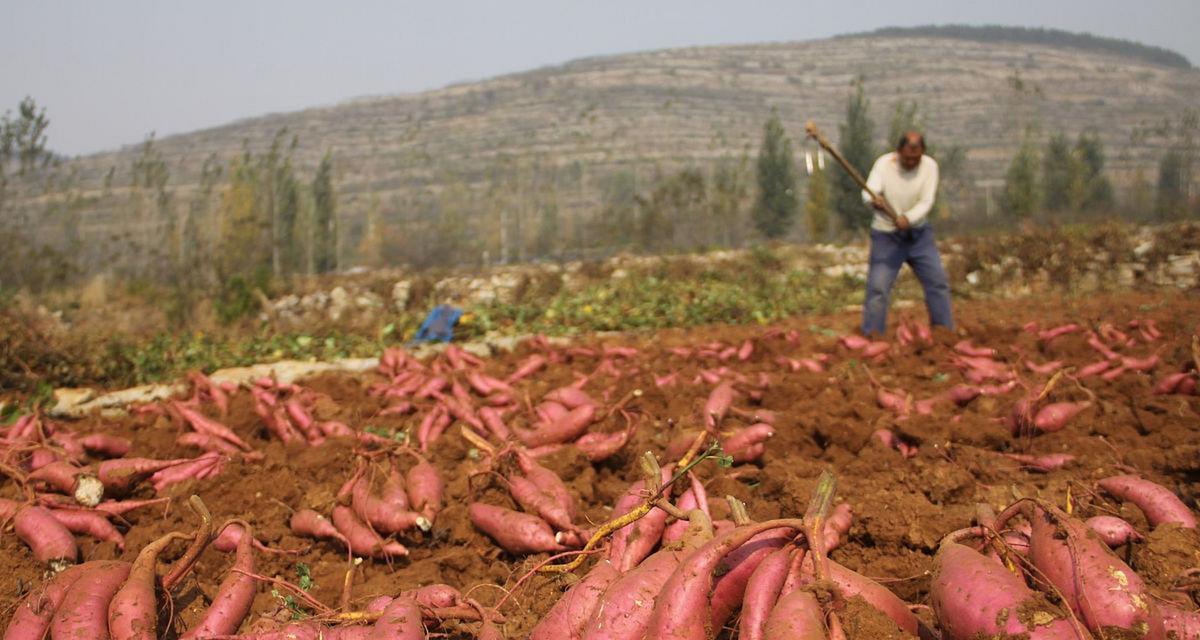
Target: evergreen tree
778,203
1058,173
324,227
1171,198
905,118
730,187
856,142
817,206
1098,191
1021,193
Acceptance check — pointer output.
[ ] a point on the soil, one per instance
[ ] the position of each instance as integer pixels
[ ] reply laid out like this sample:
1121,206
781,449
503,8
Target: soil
825,421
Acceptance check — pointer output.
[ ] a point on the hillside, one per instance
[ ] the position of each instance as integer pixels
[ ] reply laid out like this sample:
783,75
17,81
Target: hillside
553,139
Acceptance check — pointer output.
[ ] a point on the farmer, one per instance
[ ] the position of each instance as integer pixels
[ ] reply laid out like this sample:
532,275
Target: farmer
908,180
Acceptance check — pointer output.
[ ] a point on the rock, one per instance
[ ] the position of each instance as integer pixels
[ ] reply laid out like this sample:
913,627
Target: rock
339,301
400,294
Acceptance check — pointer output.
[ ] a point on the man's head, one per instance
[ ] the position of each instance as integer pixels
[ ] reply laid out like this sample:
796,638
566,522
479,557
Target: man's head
909,149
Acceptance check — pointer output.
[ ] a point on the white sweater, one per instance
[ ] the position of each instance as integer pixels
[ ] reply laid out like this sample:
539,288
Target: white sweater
911,193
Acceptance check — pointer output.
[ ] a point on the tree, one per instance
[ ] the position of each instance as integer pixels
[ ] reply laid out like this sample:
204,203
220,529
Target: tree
22,140
1098,191
905,118
817,206
730,187
1021,193
325,231
1174,173
778,203
1058,173
856,142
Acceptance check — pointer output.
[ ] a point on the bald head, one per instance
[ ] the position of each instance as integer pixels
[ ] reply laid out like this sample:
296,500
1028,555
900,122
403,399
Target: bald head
910,148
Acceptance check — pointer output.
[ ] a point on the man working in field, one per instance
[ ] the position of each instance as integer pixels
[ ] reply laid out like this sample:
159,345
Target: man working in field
908,180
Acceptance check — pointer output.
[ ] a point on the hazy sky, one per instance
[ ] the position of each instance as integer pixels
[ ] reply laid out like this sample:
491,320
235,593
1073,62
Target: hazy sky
111,71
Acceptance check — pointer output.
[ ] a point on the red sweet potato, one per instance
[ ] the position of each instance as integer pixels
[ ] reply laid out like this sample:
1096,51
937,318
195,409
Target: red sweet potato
1056,415
973,596
574,424
762,592
1184,624
86,488
234,597
91,523
548,482
796,616
209,426
628,601
681,611
82,613
1044,463
1113,531
31,617
730,586
740,443
310,524
566,619
878,596
50,541
717,404
401,620
1157,502
539,503
1101,589
516,532
133,610
380,515
120,476
107,445
424,486
362,540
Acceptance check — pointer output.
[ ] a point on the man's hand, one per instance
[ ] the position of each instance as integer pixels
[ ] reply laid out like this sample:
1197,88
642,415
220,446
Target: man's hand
878,204
902,223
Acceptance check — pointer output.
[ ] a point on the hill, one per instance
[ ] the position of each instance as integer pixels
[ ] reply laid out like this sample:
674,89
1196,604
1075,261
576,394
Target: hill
525,164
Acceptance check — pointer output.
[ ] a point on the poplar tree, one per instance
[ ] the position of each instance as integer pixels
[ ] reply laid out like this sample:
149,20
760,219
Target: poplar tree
778,202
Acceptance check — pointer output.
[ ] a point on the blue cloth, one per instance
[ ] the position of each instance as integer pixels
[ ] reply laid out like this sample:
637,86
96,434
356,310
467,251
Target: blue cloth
889,252
439,324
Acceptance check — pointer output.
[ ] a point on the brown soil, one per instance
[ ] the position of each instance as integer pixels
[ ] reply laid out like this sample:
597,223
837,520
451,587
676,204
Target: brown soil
902,507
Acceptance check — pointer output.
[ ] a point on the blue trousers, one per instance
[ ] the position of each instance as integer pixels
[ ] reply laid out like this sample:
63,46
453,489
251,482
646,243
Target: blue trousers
889,252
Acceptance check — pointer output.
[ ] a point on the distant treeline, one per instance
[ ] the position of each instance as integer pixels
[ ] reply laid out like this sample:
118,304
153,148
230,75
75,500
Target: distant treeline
1050,37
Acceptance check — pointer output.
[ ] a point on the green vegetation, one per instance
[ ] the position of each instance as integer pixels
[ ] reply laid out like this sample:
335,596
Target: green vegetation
1027,35
778,202
1022,193
856,141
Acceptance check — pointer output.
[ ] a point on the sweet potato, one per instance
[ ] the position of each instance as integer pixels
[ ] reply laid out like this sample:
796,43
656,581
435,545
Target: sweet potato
1184,624
627,608
730,586
632,543
516,532
841,516
91,523
574,424
31,617
1113,531
382,516
720,399
539,503
133,610
852,584
528,367
107,445
424,486
1101,589
310,524
1157,502
796,616
401,620
566,619
680,612
82,613
548,482
740,444
121,475
1044,463
234,597
972,596
51,542
209,426
362,540
86,488
762,592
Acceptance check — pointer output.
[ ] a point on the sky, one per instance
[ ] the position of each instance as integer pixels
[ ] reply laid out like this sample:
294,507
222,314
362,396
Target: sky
110,72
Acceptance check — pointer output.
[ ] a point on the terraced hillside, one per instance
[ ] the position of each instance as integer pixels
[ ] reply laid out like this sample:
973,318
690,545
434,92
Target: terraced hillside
479,149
